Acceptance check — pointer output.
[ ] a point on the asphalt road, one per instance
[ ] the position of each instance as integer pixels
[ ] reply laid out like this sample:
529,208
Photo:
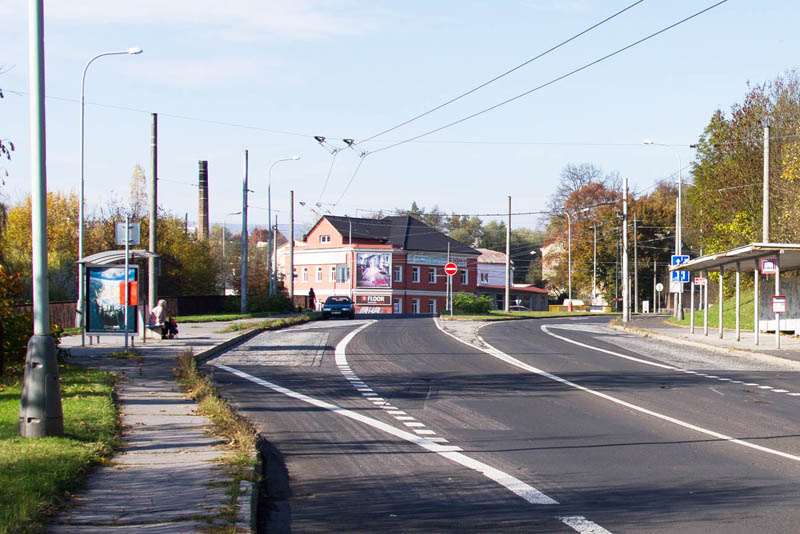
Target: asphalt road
407,429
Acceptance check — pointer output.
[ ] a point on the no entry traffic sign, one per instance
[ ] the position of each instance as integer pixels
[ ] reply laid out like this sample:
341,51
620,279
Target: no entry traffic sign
450,269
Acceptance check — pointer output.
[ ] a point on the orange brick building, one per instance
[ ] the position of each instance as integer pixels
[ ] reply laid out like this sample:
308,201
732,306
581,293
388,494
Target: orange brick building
389,265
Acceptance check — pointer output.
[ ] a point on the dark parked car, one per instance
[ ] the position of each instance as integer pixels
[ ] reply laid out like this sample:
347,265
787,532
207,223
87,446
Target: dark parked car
518,309
338,307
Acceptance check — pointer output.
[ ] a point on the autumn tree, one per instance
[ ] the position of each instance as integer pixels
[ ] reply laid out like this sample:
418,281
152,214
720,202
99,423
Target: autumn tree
62,245
725,204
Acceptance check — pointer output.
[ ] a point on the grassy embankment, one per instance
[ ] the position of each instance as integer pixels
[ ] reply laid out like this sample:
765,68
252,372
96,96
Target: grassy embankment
38,475
728,314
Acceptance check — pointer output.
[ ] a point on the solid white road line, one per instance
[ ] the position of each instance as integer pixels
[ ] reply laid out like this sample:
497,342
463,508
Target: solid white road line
520,488
500,355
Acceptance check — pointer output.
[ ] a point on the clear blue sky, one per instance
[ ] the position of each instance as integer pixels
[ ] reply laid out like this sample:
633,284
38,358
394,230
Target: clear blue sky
347,69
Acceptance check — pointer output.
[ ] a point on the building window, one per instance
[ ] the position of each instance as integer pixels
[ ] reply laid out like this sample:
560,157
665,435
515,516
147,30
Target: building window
432,275
397,306
305,274
319,274
432,306
324,239
414,305
333,273
415,274
398,273
464,277
484,278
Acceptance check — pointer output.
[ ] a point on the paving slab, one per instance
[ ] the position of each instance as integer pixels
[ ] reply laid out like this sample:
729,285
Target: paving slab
168,476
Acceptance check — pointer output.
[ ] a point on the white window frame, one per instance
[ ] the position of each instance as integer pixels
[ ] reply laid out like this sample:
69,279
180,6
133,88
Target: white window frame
333,273
464,277
398,273
397,306
415,275
484,278
319,274
432,306
305,274
324,239
431,275
415,306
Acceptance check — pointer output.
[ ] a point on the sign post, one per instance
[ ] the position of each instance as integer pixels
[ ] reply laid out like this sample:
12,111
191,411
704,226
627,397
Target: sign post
659,289
778,307
450,269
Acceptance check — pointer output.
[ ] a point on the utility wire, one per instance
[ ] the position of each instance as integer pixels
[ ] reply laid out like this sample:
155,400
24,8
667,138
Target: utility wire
554,80
506,73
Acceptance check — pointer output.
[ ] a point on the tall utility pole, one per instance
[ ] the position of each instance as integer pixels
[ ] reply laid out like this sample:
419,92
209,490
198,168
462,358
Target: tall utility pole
765,209
291,247
40,412
273,282
152,280
594,265
508,259
655,302
626,305
635,268
243,291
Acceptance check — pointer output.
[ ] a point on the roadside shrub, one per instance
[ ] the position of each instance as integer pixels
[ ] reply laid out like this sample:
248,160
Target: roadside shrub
469,303
264,303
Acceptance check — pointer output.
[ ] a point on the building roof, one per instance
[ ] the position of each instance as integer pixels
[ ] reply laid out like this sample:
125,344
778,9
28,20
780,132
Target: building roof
745,256
400,231
491,256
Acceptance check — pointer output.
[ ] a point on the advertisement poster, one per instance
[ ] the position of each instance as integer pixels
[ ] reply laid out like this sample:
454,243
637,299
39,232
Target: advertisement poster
105,313
373,270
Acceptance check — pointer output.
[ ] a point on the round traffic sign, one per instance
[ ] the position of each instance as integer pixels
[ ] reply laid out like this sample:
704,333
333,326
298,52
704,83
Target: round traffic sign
450,269
659,287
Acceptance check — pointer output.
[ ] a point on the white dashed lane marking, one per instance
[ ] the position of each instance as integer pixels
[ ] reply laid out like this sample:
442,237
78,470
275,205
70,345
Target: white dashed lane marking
369,394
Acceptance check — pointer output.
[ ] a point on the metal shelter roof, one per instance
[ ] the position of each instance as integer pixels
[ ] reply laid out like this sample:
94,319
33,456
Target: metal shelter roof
745,256
113,256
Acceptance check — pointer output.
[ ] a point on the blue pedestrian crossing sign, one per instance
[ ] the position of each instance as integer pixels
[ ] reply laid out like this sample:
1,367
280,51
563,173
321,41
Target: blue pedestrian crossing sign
679,276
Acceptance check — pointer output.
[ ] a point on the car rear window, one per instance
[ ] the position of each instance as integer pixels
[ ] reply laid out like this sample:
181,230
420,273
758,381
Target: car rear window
338,300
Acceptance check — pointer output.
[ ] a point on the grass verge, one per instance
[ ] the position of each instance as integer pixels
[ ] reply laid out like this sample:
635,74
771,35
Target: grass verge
222,317
728,314
38,475
226,424
273,324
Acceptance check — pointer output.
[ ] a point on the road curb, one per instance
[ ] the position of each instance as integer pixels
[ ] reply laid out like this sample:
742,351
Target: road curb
760,356
202,357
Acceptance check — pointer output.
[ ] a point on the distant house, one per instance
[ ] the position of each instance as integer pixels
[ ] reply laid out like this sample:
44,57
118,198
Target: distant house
389,265
492,282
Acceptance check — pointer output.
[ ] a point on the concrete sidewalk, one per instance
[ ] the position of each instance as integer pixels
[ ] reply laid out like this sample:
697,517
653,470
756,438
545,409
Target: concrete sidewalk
167,478
657,328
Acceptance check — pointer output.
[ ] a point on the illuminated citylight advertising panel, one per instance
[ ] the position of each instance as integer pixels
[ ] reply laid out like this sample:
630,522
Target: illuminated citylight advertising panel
373,270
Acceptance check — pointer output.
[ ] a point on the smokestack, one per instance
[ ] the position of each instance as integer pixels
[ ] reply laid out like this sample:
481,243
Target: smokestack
202,205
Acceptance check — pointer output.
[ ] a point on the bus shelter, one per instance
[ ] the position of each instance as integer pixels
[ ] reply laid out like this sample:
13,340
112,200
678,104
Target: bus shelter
776,296
102,313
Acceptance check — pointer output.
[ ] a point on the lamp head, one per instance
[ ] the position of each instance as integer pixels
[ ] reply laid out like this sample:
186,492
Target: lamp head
320,138
295,158
647,142
135,50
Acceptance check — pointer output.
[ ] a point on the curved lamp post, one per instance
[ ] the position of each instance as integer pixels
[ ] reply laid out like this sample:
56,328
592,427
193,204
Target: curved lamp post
272,278
81,303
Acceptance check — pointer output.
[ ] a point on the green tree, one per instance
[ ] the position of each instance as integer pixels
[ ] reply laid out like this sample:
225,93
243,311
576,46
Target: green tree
464,229
725,206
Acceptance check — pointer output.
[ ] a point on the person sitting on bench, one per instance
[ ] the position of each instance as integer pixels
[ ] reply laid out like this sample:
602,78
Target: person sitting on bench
159,318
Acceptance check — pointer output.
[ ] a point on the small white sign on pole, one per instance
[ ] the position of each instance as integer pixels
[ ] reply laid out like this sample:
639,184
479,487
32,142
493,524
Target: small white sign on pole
132,234
676,287
778,303
700,281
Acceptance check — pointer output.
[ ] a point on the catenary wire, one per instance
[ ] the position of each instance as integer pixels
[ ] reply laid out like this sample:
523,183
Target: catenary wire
506,73
554,80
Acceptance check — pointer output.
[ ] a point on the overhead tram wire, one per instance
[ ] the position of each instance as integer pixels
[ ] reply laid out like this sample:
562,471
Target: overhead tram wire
553,81
506,73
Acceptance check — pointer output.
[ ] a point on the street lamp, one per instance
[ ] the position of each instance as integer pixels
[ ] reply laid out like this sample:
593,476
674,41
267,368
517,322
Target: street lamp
81,303
224,266
678,217
272,279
